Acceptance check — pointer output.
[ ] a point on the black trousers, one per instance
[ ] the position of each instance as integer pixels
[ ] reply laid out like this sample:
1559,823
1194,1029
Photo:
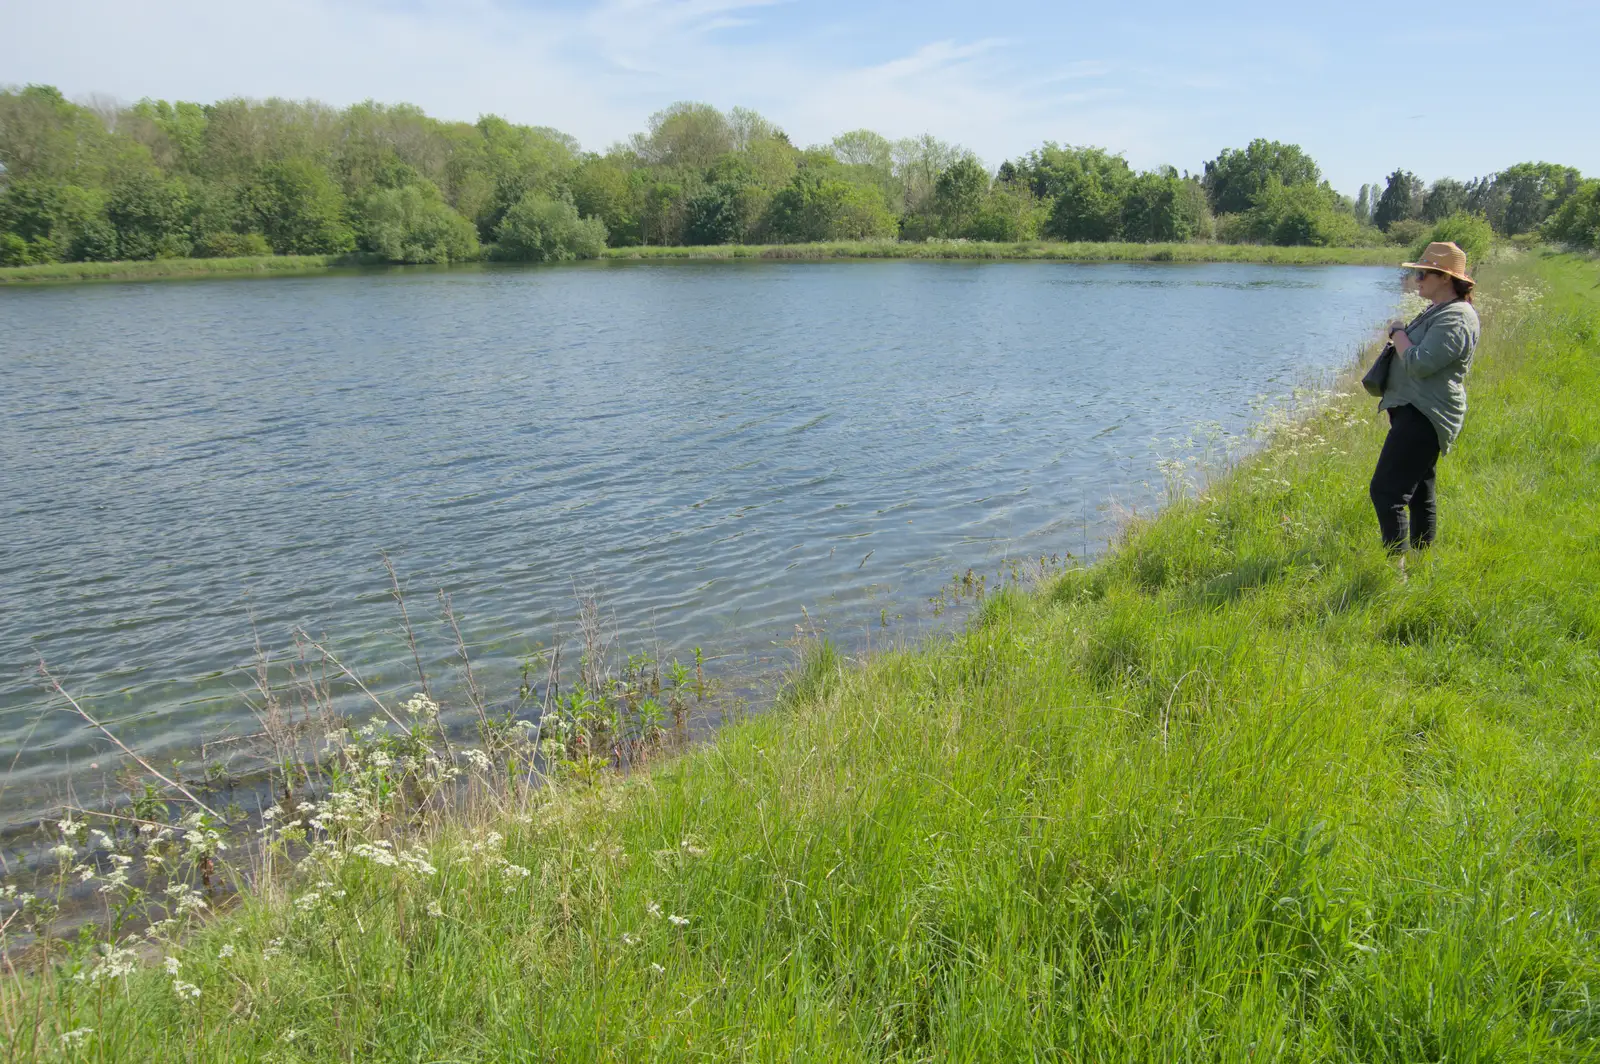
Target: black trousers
1402,485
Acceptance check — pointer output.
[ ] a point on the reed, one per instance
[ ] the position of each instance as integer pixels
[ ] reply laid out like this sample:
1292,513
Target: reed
281,265
1027,251
1236,792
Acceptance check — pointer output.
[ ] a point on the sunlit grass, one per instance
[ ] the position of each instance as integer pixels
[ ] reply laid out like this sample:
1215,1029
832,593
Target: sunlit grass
164,269
1236,793
1027,250
278,265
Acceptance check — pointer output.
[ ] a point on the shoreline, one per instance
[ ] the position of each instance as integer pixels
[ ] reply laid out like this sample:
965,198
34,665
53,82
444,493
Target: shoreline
1031,251
1239,751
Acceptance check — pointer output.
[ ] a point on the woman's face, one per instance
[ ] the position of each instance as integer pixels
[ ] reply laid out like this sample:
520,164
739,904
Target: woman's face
1433,285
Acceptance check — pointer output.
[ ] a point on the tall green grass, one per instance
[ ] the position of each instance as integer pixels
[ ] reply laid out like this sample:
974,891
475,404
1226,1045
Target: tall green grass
278,265
1028,250
1239,792
171,269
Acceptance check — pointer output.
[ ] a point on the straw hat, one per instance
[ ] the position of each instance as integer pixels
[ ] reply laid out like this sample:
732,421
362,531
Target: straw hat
1444,257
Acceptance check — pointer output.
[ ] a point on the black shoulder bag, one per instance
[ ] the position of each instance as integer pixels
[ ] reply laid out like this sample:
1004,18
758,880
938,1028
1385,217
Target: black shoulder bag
1378,375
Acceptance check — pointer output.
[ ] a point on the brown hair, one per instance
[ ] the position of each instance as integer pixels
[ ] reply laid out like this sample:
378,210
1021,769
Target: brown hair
1463,288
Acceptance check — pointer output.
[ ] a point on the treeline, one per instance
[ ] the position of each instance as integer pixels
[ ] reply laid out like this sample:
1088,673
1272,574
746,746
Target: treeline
98,182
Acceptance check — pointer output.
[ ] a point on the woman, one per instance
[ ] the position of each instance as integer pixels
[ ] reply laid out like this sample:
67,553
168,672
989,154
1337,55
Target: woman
1425,397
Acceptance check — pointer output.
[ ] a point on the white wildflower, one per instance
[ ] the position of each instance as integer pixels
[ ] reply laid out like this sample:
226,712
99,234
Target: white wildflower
75,1038
172,965
116,964
658,969
435,909
374,854
417,861
225,952
477,759
63,853
653,909
101,840
274,947
71,829
185,991
421,705
678,921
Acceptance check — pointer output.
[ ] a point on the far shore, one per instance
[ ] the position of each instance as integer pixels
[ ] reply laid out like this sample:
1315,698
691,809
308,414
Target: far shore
1034,250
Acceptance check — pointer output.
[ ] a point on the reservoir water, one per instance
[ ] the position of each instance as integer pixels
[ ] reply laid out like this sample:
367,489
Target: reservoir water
721,451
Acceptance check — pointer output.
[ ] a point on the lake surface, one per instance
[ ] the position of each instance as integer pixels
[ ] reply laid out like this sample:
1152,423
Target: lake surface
713,448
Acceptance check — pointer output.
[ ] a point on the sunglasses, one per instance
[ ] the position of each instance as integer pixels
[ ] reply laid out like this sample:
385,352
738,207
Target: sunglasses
1423,275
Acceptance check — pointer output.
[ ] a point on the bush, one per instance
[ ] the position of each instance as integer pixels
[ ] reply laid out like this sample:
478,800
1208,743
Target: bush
414,224
540,229
149,213
50,221
1470,232
1287,215
1407,232
819,206
231,246
14,251
1578,221
1008,214
1162,207
299,208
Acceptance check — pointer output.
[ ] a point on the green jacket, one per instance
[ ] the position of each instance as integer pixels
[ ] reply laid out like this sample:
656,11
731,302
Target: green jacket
1429,375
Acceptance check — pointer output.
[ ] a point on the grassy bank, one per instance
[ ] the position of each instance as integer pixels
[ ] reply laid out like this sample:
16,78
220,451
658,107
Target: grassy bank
278,265
1030,250
1238,792
169,269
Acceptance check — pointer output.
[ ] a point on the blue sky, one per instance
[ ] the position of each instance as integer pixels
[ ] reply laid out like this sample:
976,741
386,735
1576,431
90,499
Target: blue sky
1458,87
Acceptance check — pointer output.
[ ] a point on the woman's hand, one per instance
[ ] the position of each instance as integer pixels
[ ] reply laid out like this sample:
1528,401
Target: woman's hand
1402,342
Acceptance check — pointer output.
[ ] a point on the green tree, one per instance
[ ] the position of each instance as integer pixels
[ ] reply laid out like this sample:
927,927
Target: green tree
1401,200
541,229
1161,206
1444,197
1363,210
1299,214
1052,170
510,162
819,204
958,196
1086,210
918,162
298,207
728,209
1010,212
1236,177
1577,222
1526,194
48,222
173,133
688,135
604,187
415,224
150,215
